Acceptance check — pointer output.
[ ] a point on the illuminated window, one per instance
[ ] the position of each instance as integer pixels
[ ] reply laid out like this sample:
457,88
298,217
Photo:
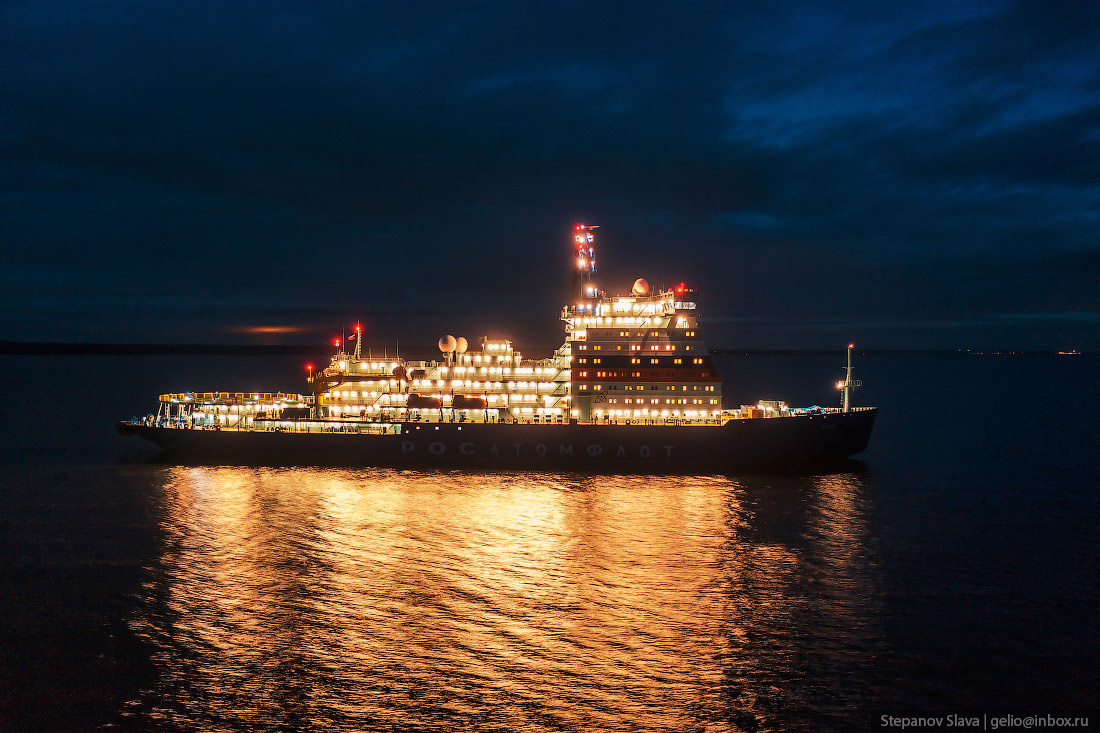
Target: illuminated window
596,347
635,361
595,361
582,360
677,361
652,361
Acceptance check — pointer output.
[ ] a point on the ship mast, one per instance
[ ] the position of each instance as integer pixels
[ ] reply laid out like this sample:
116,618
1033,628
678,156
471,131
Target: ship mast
584,266
849,384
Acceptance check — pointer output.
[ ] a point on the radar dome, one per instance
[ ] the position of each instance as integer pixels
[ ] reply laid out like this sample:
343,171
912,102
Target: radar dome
641,287
461,345
400,373
447,344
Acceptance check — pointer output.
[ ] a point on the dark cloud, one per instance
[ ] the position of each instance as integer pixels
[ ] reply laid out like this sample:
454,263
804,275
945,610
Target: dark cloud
183,172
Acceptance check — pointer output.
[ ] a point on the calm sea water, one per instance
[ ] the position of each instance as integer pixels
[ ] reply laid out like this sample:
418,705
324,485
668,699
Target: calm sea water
955,567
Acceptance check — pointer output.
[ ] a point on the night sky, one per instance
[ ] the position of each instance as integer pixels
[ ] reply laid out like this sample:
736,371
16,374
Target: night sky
925,175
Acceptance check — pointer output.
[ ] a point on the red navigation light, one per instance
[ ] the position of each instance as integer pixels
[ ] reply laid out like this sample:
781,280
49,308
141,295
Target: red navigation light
336,342
309,367
851,346
358,328
579,227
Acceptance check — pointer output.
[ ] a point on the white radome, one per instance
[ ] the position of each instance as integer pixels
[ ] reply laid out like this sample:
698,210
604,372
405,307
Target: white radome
461,345
447,344
641,287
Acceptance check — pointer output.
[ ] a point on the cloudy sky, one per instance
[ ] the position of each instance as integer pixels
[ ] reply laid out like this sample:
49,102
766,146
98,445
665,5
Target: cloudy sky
912,175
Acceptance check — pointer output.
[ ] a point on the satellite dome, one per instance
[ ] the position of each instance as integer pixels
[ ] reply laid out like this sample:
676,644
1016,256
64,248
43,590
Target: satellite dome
641,287
461,345
447,344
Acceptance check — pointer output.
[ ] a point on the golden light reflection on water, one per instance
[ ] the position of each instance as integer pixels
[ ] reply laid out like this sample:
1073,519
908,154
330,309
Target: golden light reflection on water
343,599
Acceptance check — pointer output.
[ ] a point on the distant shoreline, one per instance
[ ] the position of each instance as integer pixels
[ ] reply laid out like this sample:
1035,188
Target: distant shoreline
32,348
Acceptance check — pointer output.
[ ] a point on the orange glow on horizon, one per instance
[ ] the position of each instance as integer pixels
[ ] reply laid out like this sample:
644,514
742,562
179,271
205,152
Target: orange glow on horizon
267,329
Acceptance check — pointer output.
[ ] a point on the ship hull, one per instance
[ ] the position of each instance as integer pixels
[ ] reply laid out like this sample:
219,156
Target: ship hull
773,441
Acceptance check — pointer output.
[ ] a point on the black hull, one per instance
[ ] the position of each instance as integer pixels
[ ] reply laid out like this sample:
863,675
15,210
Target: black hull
765,442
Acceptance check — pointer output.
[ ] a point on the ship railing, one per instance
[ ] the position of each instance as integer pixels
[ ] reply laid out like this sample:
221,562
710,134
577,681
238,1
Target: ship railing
229,398
281,426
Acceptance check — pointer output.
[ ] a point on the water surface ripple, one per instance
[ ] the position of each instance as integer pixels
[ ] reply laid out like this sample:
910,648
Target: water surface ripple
332,599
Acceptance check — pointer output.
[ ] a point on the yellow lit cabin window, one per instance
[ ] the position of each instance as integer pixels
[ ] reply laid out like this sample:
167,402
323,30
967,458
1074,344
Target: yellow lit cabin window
677,361
635,361
582,360
596,361
652,361
597,347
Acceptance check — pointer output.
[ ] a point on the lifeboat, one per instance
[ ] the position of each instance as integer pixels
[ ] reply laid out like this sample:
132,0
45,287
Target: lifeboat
467,402
423,402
